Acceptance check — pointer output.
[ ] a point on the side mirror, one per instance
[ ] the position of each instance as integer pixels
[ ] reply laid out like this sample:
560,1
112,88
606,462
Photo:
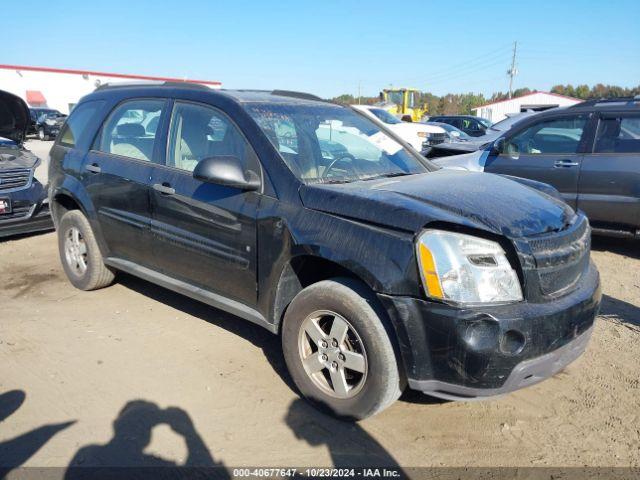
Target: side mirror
226,170
498,146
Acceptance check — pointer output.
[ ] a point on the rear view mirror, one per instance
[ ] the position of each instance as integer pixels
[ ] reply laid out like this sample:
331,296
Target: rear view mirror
226,170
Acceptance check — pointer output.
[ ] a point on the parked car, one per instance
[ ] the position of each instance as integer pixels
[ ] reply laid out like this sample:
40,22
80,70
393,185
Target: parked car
473,126
471,144
24,206
377,270
49,125
452,134
415,134
590,152
37,115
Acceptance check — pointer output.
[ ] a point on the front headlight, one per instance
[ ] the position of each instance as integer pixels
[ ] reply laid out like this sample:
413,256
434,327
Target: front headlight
50,122
465,269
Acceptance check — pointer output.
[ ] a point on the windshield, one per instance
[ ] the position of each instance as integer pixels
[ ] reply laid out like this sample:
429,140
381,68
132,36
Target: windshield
485,122
384,116
332,144
507,123
451,130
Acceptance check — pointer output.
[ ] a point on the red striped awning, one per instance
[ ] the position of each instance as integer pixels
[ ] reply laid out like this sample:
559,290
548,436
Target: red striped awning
35,98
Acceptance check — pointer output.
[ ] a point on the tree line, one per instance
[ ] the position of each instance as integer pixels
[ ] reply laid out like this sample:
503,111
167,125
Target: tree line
463,103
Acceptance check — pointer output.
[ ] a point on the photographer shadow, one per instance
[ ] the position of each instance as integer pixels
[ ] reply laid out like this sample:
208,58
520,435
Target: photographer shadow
348,443
124,453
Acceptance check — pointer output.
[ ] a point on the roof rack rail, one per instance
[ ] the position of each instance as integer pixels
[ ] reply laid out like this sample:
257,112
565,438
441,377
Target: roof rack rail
596,101
152,83
301,95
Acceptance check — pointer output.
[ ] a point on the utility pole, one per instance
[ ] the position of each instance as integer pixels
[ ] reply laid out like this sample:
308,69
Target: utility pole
359,85
513,71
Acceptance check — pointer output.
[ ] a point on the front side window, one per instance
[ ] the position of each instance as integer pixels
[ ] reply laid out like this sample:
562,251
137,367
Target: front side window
557,136
77,122
618,135
198,132
126,131
332,144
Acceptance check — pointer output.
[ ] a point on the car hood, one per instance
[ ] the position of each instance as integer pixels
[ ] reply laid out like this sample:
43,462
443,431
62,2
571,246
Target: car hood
473,162
477,200
14,116
12,156
415,128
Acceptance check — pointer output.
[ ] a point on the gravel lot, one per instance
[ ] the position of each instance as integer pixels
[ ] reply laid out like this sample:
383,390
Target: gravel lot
77,358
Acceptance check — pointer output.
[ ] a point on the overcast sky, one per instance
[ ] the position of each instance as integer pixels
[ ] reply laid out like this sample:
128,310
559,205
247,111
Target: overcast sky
329,47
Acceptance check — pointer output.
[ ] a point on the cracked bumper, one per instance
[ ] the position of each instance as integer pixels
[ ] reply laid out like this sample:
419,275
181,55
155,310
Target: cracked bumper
472,353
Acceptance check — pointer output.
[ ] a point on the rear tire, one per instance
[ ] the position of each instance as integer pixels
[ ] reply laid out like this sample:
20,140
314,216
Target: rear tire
79,253
338,351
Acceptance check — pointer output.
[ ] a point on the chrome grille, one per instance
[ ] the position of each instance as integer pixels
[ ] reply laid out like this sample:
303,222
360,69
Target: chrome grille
436,139
14,179
562,257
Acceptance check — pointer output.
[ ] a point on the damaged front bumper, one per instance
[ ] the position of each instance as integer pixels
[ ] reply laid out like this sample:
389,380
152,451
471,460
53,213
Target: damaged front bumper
470,353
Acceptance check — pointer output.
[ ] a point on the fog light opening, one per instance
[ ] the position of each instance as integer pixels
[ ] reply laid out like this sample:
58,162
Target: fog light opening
512,342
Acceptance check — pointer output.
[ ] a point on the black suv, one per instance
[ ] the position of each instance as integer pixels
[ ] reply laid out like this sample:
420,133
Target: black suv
474,126
590,152
376,268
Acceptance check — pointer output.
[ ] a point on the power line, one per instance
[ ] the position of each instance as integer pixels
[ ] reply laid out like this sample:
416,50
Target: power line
478,61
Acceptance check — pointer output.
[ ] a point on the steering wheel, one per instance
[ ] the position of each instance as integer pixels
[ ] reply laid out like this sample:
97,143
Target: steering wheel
345,158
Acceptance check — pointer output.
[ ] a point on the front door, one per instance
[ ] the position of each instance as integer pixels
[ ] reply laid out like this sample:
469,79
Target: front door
116,173
204,234
609,188
546,151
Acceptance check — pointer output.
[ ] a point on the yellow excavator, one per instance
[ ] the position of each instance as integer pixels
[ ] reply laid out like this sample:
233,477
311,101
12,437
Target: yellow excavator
403,103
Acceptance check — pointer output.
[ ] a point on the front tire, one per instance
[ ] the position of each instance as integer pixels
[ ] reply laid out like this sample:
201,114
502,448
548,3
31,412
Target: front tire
338,351
79,253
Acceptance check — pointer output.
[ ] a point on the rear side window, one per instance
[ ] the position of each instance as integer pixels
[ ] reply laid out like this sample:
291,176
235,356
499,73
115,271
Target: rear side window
618,135
78,121
130,130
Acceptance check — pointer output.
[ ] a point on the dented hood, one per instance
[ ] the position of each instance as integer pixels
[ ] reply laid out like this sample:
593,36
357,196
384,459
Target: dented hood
14,117
478,200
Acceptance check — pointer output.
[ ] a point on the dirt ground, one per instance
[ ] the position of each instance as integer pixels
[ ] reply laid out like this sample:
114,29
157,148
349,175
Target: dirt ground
70,362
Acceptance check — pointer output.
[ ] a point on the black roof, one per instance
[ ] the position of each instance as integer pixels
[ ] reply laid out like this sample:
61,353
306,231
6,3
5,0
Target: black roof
608,103
271,96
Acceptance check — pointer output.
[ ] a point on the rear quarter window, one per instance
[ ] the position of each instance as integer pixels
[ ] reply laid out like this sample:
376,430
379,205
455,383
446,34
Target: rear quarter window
77,122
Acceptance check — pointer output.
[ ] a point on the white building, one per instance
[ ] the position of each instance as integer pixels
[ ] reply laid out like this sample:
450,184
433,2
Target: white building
61,88
497,111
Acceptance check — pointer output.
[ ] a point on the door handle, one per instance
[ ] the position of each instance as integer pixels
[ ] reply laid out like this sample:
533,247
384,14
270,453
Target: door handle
565,163
93,168
164,188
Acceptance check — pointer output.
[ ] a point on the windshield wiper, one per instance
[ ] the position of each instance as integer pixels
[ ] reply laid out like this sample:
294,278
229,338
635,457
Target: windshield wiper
384,175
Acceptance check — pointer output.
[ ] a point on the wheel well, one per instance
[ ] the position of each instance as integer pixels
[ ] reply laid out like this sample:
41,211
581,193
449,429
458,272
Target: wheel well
301,272
62,203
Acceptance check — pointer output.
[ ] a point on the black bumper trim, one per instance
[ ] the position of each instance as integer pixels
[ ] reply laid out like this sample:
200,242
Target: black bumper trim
526,373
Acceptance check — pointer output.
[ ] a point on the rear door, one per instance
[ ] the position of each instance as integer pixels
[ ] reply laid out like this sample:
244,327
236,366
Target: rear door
202,233
548,151
116,174
609,187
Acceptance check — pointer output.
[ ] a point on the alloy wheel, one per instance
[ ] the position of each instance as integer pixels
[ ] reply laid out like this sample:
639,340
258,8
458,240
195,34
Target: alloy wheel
332,354
75,251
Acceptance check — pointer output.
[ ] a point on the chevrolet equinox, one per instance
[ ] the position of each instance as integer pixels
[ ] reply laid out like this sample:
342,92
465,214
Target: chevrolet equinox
377,269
